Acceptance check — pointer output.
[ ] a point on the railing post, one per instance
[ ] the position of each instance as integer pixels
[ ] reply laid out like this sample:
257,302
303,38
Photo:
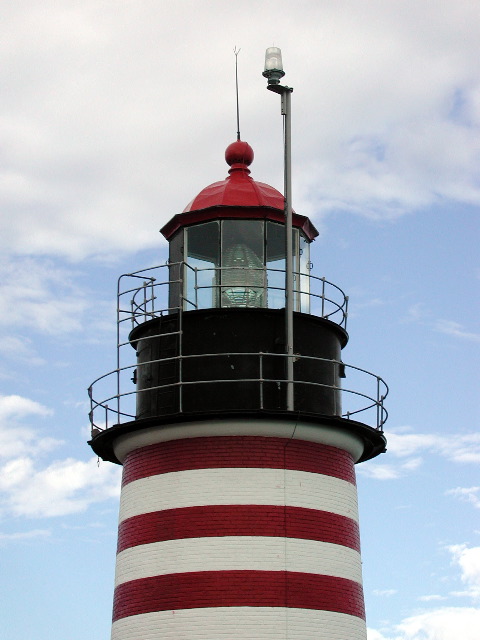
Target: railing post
118,348
180,359
145,299
323,297
90,413
378,403
153,297
261,379
196,287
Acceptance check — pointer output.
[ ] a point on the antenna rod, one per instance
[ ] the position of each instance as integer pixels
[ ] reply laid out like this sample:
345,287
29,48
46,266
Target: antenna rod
236,90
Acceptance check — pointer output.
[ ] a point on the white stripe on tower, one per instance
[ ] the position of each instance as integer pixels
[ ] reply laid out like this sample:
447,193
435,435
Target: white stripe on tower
233,553
238,486
241,623
238,536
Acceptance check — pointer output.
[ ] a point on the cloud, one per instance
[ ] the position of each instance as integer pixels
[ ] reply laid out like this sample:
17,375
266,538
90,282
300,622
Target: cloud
389,471
420,314
468,559
444,623
61,486
461,448
415,313
384,592
24,535
86,120
447,623
19,349
405,445
17,439
15,406
467,494
41,296
373,634
456,330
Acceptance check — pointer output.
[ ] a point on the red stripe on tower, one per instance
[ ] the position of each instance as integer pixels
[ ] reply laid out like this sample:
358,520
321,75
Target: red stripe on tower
238,589
238,520
238,451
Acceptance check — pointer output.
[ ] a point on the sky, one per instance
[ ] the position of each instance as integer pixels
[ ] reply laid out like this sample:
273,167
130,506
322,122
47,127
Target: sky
113,116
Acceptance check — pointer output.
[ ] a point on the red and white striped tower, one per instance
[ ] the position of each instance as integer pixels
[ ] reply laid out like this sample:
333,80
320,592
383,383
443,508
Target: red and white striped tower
238,516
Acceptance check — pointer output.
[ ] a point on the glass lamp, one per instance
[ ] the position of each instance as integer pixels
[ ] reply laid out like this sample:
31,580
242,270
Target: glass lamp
243,278
273,65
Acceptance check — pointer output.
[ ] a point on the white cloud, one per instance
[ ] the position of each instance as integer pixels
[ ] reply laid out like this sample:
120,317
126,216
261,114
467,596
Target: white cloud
456,330
416,312
461,448
373,634
446,623
61,488
432,598
467,494
384,592
19,349
15,406
380,471
41,296
389,471
17,439
85,118
468,559
24,535
402,444
46,296
449,623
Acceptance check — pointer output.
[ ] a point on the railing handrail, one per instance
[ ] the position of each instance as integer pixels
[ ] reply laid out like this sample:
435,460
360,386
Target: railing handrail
137,304
146,306
374,400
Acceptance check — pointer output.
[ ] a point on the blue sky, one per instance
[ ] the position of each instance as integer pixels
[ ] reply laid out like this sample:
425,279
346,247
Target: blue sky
113,116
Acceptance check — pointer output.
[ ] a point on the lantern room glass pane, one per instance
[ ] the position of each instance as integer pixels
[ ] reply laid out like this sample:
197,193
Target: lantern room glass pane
242,277
275,262
202,261
275,250
175,291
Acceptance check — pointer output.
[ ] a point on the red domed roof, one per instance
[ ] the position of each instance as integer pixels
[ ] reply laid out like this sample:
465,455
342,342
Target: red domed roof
239,189
238,197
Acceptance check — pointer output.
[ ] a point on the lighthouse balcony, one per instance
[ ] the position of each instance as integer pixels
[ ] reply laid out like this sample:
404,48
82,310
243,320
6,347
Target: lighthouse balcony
221,349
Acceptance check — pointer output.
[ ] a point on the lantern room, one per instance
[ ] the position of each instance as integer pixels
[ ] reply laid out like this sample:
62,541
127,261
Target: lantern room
230,241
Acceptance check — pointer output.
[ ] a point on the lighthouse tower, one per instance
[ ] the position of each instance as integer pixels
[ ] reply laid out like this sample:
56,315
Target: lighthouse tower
238,514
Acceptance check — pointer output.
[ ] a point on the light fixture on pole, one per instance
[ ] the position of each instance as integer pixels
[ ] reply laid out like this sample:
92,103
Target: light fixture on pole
274,72
273,65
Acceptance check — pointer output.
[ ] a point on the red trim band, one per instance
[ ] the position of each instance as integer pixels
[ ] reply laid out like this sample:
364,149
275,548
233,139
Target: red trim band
220,212
238,520
256,452
201,589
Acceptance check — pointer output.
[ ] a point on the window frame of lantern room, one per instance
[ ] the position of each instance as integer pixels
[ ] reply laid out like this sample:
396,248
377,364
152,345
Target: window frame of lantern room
209,278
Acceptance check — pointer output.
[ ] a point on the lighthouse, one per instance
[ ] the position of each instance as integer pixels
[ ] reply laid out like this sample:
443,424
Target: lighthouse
238,508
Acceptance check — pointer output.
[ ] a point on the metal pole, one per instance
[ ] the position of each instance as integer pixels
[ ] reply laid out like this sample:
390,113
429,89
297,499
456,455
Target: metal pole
289,293
274,72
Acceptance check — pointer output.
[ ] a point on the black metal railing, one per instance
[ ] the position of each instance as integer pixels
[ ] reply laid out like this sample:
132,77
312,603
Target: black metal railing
146,295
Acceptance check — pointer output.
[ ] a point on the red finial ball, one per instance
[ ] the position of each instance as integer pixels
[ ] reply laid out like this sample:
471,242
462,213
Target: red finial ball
239,152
